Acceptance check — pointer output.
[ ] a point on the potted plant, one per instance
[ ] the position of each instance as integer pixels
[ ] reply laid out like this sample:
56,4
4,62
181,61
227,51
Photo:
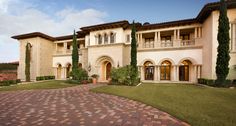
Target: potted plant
95,77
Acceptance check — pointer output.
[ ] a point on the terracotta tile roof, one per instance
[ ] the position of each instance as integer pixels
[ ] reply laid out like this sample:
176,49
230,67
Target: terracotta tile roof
34,34
117,24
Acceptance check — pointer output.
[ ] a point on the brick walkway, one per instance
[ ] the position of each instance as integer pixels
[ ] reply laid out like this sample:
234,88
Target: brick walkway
76,106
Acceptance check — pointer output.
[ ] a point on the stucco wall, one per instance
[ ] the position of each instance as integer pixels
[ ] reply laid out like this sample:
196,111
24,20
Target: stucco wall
46,50
34,63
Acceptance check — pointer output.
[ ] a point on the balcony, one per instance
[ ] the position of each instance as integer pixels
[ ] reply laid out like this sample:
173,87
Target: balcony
66,52
167,43
187,42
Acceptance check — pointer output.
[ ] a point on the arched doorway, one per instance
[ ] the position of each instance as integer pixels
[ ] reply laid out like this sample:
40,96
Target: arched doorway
59,67
165,70
68,69
103,67
184,70
149,70
108,70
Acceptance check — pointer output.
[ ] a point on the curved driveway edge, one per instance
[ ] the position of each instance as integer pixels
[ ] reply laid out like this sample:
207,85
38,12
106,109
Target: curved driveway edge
75,106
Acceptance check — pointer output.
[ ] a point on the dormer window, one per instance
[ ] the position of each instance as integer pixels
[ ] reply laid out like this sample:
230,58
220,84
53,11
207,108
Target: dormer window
112,38
99,39
105,38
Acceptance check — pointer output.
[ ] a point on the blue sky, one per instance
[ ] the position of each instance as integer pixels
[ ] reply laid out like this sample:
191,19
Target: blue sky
60,17
140,10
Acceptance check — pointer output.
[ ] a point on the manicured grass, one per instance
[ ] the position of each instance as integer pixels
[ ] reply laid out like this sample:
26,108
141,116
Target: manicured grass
37,85
197,105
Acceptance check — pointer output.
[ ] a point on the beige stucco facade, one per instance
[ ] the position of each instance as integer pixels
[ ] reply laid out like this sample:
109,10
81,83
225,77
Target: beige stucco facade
173,51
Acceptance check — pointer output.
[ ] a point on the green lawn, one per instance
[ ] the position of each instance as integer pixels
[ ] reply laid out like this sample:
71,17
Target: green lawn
199,106
37,85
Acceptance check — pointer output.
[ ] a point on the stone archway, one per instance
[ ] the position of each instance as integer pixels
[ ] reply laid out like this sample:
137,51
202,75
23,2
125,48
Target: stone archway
104,65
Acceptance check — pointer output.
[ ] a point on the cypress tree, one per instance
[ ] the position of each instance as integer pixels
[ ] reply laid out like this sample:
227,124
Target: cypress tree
133,62
75,56
223,56
27,62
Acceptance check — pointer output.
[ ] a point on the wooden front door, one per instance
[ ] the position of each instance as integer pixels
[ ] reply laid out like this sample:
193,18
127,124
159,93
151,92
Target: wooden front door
108,70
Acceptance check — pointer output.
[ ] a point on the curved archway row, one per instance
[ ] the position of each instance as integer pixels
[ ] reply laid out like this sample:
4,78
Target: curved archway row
63,71
166,70
170,60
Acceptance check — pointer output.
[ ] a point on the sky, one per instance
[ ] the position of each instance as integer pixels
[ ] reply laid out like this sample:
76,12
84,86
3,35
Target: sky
61,17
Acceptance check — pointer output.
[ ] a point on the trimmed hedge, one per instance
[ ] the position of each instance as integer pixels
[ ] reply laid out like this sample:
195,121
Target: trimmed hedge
9,82
212,82
39,78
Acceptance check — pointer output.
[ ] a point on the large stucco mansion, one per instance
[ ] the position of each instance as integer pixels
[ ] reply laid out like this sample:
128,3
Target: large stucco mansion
175,51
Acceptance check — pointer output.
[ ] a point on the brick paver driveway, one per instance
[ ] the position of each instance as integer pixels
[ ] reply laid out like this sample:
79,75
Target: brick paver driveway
76,106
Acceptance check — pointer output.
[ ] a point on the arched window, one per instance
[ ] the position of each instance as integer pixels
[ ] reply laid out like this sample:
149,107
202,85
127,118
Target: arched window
105,38
165,70
112,37
99,39
149,70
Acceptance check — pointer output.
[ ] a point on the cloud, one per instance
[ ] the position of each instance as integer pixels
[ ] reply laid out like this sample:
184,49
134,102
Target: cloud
17,19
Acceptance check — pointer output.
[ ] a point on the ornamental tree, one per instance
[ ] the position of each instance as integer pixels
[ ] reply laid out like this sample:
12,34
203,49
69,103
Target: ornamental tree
223,57
75,55
27,62
133,62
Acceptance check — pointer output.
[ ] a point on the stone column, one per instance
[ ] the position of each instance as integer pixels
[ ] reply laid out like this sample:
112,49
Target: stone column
155,41
63,73
177,73
158,73
142,72
159,39
199,71
56,48
195,75
65,47
195,33
155,73
141,40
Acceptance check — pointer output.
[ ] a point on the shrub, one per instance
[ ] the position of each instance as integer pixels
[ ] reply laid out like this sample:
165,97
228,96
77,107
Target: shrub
79,74
122,76
9,82
39,78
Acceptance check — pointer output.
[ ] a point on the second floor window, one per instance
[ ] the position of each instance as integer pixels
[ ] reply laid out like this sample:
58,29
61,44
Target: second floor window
112,38
105,38
99,39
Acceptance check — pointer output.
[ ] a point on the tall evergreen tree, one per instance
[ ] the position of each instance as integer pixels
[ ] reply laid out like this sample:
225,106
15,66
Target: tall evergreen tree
27,62
223,57
133,62
75,56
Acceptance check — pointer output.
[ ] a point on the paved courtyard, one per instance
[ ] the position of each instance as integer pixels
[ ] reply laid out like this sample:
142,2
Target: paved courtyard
76,106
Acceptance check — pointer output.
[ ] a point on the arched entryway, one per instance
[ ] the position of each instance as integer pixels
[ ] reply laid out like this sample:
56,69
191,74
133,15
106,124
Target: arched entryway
184,70
106,71
104,65
148,70
165,70
68,70
59,68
